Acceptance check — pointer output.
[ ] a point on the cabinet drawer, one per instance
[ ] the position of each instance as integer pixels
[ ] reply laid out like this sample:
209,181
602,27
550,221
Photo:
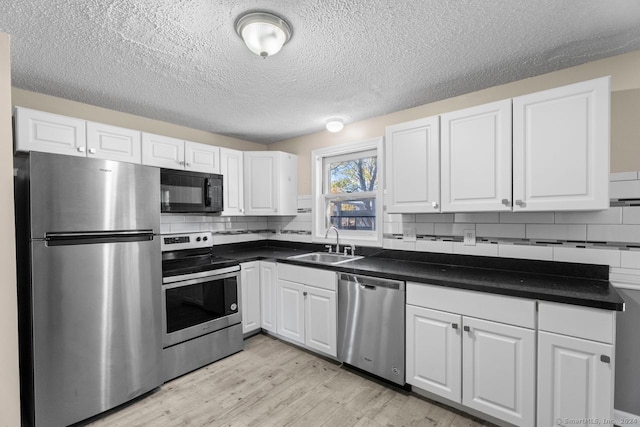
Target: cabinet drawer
581,322
309,276
499,308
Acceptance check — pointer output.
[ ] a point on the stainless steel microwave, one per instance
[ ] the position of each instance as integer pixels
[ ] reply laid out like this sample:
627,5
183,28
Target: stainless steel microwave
190,192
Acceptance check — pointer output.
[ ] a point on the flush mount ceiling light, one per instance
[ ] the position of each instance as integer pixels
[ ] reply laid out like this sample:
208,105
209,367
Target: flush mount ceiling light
263,33
335,125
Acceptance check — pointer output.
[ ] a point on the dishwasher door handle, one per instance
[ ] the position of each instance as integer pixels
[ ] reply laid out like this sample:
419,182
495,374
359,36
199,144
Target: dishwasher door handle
368,287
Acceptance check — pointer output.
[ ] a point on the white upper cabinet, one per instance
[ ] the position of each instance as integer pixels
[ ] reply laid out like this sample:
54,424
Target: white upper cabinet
271,183
162,151
561,148
201,157
51,133
412,150
476,158
172,153
231,168
113,143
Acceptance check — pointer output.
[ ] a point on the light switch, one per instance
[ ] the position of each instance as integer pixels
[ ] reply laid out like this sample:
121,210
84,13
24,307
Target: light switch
470,237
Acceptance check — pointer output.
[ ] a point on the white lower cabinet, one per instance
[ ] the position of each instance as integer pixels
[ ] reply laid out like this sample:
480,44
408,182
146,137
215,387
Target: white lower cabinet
290,323
498,370
250,296
307,307
575,366
268,295
484,364
434,351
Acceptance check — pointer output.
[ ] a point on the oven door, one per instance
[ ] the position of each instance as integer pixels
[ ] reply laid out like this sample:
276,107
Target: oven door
199,306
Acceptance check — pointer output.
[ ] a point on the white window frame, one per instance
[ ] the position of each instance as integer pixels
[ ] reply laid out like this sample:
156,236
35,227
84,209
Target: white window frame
318,225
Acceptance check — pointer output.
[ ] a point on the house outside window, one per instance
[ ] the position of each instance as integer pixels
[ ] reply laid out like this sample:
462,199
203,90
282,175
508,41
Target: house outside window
348,192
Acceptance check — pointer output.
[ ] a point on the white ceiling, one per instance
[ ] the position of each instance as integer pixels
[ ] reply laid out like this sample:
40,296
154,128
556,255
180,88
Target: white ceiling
181,61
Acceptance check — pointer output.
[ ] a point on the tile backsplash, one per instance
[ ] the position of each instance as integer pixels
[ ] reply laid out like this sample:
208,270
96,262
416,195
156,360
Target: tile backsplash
610,237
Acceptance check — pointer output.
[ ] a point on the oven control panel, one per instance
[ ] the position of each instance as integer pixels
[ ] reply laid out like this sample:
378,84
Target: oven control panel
175,242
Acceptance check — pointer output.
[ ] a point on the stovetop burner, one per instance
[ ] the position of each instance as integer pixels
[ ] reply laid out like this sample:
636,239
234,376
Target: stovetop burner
190,253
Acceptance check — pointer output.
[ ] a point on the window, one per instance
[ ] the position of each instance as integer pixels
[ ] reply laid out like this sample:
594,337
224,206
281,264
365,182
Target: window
347,192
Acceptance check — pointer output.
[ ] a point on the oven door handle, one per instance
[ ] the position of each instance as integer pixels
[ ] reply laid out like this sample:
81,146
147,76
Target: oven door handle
195,281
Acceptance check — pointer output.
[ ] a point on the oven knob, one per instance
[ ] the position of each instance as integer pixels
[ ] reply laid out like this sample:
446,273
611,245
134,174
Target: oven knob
205,238
197,239
234,306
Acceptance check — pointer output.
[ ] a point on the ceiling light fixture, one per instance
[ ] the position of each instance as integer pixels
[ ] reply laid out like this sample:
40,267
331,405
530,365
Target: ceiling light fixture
264,33
335,125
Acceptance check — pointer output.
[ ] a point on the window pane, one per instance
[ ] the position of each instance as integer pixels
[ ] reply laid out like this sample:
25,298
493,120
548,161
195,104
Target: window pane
354,176
353,214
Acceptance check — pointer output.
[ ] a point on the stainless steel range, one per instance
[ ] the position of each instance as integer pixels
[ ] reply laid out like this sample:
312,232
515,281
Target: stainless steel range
201,317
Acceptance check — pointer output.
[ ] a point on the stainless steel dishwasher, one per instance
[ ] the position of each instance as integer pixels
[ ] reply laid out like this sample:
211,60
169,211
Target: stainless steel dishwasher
371,325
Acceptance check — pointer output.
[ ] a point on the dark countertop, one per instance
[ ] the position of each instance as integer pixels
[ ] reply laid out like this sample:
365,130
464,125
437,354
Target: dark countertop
583,291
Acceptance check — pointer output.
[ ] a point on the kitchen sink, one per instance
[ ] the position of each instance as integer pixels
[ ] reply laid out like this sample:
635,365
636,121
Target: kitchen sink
326,258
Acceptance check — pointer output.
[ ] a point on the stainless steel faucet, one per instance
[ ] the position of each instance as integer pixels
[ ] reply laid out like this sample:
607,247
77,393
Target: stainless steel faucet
333,227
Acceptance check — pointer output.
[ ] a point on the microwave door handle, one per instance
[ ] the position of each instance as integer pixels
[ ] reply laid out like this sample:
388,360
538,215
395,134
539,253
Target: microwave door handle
207,192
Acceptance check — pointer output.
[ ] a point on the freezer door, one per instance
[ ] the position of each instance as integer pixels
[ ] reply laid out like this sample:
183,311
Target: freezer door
96,327
80,194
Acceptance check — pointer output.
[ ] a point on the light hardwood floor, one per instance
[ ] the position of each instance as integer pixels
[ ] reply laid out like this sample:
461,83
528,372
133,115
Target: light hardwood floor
272,383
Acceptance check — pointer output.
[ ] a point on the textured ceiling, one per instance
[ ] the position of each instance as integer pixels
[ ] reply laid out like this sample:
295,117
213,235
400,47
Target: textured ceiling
181,61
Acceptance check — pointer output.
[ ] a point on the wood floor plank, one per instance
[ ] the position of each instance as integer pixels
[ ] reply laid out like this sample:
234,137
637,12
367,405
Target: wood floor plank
273,383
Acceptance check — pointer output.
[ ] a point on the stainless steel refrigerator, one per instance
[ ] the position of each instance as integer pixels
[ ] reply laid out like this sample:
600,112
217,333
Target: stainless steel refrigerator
89,265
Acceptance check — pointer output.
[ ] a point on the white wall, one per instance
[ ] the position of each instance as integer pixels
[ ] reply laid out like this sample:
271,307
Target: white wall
9,381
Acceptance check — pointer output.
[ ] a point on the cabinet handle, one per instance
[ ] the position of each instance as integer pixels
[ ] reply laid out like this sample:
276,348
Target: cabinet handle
454,325
505,202
304,293
81,149
92,151
434,205
466,328
187,164
519,203
605,359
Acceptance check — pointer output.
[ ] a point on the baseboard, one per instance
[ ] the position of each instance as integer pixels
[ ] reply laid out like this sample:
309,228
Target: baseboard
626,418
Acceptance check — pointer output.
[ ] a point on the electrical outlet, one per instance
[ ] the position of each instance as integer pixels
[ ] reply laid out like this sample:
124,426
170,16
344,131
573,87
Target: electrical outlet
409,234
227,225
470,237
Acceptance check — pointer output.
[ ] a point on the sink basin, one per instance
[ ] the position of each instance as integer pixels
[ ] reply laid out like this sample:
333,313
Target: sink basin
326,258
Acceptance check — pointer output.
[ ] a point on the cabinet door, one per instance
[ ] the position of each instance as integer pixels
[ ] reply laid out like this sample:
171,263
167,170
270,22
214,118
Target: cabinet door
231,168
561,148
250,295
498,370
288,184
51,133
162,151
434,352
261,188
476,158
201,157
113,143
573,380
413,166
290,323
320,320
268,295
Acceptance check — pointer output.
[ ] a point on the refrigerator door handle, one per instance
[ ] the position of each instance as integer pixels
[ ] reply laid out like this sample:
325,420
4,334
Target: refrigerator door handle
86,238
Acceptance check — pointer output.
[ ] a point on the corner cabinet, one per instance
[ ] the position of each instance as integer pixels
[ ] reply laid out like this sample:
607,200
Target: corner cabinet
476,158
232,170
307,307
270,183
561,148
412,150
575,365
